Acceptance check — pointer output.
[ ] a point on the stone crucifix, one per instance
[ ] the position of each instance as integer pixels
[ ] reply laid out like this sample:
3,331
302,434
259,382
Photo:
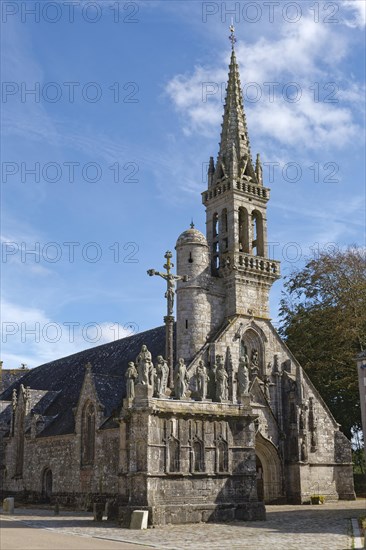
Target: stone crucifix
171,280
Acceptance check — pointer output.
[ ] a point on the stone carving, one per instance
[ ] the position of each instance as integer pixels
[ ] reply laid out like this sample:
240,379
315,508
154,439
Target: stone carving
243,375
180,379
201,380
221,380
302,420
266,385
161,376
144,366
131,375
255,363
171,280
304,451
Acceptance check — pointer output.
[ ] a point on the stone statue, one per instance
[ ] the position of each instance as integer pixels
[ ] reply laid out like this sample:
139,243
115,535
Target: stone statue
243,375
221,380
266,384
161,376
144,366
171,280
302,420
255,363
304,451
201,380
131,375
180,379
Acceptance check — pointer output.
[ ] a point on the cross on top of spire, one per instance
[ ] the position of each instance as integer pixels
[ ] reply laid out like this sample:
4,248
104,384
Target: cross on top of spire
232,36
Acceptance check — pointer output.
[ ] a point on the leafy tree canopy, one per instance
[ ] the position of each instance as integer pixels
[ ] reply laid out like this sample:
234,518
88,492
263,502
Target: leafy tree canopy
323,321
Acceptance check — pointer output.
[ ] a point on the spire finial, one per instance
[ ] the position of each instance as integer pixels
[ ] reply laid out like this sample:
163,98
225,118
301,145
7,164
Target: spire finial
192,224
232,36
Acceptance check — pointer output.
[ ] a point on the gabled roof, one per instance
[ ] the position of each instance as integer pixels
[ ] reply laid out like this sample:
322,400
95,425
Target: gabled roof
66,376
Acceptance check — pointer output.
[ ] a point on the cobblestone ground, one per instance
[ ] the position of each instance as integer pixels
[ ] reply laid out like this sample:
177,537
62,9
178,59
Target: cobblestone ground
287,527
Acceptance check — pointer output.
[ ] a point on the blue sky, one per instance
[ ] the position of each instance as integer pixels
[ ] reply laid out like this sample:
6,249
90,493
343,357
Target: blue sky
125,115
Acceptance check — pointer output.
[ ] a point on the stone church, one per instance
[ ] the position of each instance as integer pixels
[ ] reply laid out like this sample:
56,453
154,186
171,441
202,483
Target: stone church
203,419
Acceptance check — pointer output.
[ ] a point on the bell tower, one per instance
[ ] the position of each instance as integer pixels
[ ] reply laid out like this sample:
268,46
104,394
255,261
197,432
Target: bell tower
236,212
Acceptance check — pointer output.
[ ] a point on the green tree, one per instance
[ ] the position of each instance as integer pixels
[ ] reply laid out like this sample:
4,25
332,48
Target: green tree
323,321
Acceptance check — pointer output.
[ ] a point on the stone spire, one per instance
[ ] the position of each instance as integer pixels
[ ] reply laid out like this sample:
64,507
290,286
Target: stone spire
234,158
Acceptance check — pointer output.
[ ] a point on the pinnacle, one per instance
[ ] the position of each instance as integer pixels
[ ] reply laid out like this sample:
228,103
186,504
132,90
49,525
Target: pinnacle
234,145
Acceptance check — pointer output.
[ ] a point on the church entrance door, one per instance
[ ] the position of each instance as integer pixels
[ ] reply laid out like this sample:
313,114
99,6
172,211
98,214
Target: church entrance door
269,471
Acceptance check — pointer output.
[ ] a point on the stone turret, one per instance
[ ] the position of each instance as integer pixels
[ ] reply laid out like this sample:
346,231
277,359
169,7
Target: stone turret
193,308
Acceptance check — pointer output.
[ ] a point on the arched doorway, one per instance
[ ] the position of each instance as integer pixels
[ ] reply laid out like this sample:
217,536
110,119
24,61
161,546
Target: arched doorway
47,485
269,470
260,486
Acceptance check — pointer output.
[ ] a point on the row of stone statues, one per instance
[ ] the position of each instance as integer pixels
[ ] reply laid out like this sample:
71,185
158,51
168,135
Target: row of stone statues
209,383
145,373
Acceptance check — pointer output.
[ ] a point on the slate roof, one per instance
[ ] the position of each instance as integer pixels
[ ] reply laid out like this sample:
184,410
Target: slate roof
9,376
66,376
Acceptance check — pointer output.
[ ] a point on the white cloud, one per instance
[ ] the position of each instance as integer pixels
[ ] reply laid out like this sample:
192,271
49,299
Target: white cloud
357,9
29,336
308,54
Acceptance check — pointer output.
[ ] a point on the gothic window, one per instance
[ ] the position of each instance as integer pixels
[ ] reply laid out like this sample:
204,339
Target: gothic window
20,445
223,456
243,231
88,434
258,238
198,459
224,230
173,454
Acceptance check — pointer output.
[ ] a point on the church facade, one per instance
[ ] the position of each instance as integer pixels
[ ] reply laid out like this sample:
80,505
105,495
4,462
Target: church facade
237,424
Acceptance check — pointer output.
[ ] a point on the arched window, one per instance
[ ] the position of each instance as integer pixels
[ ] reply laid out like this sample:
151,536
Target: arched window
243,231
258,238
223,456
198,459
173,452
88,434
215,225
47,484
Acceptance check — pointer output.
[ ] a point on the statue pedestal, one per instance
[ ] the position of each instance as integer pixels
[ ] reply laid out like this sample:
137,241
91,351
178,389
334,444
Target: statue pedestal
143,392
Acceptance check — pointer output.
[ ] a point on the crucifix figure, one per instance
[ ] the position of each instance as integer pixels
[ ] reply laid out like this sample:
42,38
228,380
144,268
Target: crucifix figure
171,280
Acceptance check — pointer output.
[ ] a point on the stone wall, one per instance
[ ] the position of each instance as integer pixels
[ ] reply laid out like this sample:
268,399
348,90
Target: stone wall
189,461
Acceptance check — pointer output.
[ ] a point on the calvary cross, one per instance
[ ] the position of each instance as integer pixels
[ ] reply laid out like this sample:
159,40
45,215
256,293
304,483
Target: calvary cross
171,279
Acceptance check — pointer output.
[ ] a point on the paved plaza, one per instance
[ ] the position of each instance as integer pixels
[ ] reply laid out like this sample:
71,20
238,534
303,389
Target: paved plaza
287,527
